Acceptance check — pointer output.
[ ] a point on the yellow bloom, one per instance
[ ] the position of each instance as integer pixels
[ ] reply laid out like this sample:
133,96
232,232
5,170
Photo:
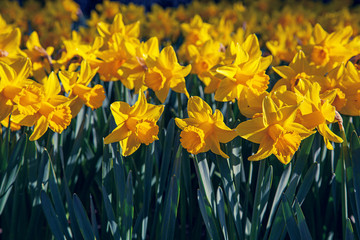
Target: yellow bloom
13,90
130,32
76,47
322,112
40,57
134,69
161,24
53,113
329,50
245,73
203,59
166,73
196,33
76,85
275,131
110,60
203,130
10,46
351,88
135,125
298,72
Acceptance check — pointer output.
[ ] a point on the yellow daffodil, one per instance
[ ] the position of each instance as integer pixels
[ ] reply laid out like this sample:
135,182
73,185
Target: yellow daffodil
245,73
40,57
275,130
110,60
298,71
203,130
130,32
332,87
196,33
161,24
53,113
351,88
166,73
330,49
10,46
76,85
321,113
15,88
134,69
135,125
13,126
203,59
75,47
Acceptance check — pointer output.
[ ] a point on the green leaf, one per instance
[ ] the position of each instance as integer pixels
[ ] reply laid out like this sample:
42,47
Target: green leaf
147,189
355,160
279,191
203,175
265,191
82,219
94,224
114,228
59,207
349,234
12,170
221,212
172,201
306,184
230,192
290,220
208,216
51,217
166,156
128,209
304,230
255,218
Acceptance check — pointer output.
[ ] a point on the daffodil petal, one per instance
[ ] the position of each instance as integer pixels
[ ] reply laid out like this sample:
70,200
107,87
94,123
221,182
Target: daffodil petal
119,133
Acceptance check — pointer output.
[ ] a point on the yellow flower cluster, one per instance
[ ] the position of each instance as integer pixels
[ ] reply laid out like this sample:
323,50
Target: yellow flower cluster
231,48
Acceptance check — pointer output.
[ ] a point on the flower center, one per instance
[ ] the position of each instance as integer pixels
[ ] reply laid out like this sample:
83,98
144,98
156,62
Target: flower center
192,139
275,130
320,55
147,131
59,118
154,79
286,145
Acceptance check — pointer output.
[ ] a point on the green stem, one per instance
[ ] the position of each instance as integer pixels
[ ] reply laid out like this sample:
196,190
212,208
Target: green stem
255,214
180,110
344,207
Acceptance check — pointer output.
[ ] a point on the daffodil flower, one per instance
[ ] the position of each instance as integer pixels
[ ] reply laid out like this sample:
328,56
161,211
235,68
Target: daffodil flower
203,130
76,84
15,88
245,73
166,73
135,125
275,131
53,113
322,113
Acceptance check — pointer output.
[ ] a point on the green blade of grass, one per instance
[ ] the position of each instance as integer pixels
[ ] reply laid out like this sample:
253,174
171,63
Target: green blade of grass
306,184
82,219
128,209
114,228
12,171
304,230
220,204
230,193
290,221
51,217
208,216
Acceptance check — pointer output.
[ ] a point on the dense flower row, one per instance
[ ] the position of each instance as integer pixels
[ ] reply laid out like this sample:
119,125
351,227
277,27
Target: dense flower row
319,83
